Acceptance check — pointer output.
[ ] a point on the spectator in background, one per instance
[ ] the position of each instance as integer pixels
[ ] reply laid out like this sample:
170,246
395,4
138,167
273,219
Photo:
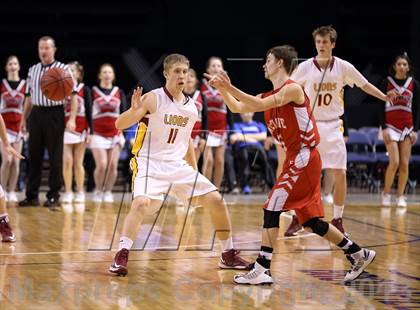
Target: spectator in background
199,132
75,141
130,134
108,102
399,122
248,138
12,91
281,154
231,183
219,117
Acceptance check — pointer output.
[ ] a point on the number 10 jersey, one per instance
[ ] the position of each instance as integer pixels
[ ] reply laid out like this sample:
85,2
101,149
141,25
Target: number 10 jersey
325,91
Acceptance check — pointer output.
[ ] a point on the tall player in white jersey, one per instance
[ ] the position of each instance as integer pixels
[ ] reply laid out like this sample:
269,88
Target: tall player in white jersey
324,77
164,160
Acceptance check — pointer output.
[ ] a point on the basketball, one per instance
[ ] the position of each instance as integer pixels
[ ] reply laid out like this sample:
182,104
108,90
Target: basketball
56,84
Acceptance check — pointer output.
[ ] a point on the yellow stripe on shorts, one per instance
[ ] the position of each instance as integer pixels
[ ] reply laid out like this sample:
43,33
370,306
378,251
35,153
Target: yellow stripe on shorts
140,135
135,168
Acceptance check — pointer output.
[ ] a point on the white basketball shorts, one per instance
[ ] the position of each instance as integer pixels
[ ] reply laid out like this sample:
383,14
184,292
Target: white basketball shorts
332,147
157,178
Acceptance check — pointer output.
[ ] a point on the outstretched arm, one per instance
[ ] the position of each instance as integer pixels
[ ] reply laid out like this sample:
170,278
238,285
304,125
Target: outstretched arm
353,77
140,106
240,102
374,91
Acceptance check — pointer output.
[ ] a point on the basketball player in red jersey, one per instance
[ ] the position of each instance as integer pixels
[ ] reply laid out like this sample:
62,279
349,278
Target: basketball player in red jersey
399,122
218,119
108,102
12,97
75,141
288,116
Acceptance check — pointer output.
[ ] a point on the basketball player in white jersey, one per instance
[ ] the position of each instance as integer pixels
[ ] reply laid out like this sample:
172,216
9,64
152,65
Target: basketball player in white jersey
327,104
164,160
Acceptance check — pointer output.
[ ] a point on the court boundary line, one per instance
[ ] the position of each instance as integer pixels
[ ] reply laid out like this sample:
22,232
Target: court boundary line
200,257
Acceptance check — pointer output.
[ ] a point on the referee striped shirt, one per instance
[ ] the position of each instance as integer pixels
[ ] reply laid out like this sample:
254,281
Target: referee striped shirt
33,84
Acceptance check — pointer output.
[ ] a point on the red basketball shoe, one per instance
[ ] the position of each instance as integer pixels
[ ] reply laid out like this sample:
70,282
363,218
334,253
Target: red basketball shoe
119,265
6,232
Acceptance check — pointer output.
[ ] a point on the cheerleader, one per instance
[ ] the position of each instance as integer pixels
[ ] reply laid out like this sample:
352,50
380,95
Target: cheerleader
12,92
199,132
75,141
7,149
108,101
399,122
218,118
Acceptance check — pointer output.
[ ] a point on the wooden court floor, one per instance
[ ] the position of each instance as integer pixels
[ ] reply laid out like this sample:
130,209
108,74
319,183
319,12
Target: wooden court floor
61,258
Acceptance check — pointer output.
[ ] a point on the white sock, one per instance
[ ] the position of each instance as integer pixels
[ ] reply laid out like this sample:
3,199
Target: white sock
347,244
227,244
125,243
338,211
266,255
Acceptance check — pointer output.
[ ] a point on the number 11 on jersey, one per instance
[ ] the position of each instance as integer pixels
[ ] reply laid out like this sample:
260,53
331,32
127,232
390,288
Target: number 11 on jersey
172,135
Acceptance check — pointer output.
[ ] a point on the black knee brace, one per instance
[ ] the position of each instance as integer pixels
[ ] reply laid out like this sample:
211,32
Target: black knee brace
271,219
318,226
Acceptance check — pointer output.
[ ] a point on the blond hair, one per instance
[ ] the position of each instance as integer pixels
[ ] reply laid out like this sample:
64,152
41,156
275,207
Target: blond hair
174,58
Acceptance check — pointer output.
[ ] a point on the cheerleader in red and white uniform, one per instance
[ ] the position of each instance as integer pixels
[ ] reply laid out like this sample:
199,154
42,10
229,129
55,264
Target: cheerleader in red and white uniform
108,101
400,123
199,132
219,117
75,141
12,95
12,92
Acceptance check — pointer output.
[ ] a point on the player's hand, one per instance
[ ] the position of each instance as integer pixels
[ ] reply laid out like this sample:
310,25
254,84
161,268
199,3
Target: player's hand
225,79
11,151
220,80
268,143
391,95
386,136
213,79
136,98
71,125
413,137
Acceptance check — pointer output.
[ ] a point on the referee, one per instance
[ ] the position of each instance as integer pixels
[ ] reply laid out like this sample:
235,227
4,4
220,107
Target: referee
45,128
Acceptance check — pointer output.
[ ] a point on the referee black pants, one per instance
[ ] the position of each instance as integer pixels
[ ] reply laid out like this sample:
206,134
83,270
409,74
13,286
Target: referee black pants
46,130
